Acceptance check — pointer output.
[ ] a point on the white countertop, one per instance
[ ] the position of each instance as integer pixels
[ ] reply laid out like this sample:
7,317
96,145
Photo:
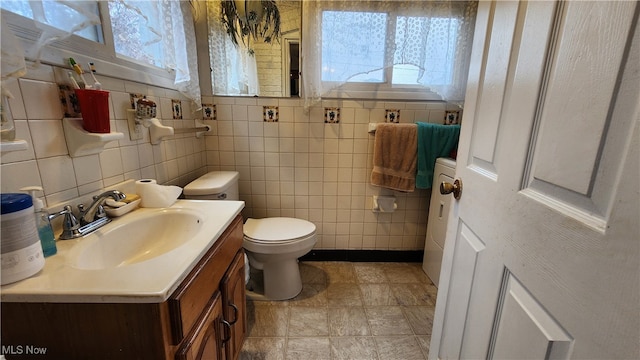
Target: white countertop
150,281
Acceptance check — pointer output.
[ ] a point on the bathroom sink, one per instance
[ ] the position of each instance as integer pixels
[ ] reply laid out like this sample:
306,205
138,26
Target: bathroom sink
139,257
143,238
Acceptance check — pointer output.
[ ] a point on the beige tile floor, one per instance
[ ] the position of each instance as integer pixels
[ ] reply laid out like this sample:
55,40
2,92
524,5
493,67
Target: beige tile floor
346,311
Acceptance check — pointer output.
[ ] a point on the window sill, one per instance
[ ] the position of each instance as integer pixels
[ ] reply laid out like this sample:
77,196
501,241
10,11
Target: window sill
383,95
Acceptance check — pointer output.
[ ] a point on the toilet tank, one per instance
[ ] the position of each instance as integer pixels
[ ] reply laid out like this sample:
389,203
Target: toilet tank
215,185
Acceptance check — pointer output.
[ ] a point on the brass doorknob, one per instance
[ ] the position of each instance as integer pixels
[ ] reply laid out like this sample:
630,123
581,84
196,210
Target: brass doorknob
455,188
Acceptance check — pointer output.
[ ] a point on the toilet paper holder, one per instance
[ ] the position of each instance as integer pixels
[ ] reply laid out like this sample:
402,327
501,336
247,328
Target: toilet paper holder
385,204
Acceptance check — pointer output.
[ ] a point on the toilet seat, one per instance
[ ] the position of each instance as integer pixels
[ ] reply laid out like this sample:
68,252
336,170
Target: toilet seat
277,230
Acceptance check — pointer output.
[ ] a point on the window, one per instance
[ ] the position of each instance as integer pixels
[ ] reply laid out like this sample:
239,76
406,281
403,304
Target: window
388,49
132,32
141,40
437,50
132,27
60,16
348,58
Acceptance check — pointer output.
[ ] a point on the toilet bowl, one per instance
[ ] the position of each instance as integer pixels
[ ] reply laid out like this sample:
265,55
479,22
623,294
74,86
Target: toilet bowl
273,245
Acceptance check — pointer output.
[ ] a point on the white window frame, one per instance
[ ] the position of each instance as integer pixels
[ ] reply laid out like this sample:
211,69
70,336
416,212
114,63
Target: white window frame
83,51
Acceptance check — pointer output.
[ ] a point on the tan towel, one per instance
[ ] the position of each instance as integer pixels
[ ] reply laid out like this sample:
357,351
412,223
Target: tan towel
395,156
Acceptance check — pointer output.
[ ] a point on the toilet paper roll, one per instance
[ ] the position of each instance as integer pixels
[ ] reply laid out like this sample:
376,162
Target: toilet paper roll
154,195
384,203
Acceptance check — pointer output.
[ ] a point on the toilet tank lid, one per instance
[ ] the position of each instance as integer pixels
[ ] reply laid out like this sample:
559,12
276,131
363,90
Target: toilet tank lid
211,183
278,228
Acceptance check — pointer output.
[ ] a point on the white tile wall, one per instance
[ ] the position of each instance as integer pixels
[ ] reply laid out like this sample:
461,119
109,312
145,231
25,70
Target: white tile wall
302,167
298,166
38,116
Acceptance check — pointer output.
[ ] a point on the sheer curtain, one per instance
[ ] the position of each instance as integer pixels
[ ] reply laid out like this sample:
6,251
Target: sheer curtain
12,55
165,25
386,45
233,69
164,39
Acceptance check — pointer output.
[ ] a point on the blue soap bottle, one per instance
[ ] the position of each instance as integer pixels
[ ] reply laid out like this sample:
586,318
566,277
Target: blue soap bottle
45,231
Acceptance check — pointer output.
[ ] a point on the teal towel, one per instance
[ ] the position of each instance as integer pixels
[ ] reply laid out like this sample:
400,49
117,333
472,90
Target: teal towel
434,141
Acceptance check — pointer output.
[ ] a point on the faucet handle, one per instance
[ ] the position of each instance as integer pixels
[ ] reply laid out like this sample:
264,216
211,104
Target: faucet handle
69,219
70,224
100,212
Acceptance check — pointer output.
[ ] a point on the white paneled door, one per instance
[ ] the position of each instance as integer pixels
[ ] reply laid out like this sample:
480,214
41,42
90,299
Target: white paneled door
542,257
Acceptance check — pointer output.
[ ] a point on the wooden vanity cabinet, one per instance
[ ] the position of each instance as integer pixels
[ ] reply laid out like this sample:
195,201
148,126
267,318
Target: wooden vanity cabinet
206,339
234,302
204,318
220,330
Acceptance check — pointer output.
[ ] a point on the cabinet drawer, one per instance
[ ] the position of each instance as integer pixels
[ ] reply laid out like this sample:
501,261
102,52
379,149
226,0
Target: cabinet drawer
191,297
203,342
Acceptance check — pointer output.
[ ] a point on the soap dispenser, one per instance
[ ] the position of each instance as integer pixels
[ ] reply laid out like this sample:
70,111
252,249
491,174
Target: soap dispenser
45,231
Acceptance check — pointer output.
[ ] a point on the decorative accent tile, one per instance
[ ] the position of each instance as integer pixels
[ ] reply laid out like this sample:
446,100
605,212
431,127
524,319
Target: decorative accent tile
270,113
176,108
69,101
209,112
451,117
392,115
332,115
133,98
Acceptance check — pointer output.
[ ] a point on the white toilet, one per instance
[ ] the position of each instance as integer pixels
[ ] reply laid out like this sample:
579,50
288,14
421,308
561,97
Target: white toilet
273,245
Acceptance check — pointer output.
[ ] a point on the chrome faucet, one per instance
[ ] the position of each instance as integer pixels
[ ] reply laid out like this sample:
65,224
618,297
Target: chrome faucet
91,219
95,211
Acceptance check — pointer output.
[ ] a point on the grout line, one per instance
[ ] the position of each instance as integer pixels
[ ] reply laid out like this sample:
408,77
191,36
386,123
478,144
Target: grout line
375,338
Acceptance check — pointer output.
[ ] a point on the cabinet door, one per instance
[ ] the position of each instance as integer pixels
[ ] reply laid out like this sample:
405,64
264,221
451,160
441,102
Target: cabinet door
205,340
193,294
234,301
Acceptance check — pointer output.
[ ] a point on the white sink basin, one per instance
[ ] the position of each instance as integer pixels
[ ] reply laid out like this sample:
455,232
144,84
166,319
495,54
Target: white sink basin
144,238
140,257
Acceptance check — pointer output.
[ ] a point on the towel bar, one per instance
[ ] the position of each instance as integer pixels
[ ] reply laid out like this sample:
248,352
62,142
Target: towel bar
204,128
